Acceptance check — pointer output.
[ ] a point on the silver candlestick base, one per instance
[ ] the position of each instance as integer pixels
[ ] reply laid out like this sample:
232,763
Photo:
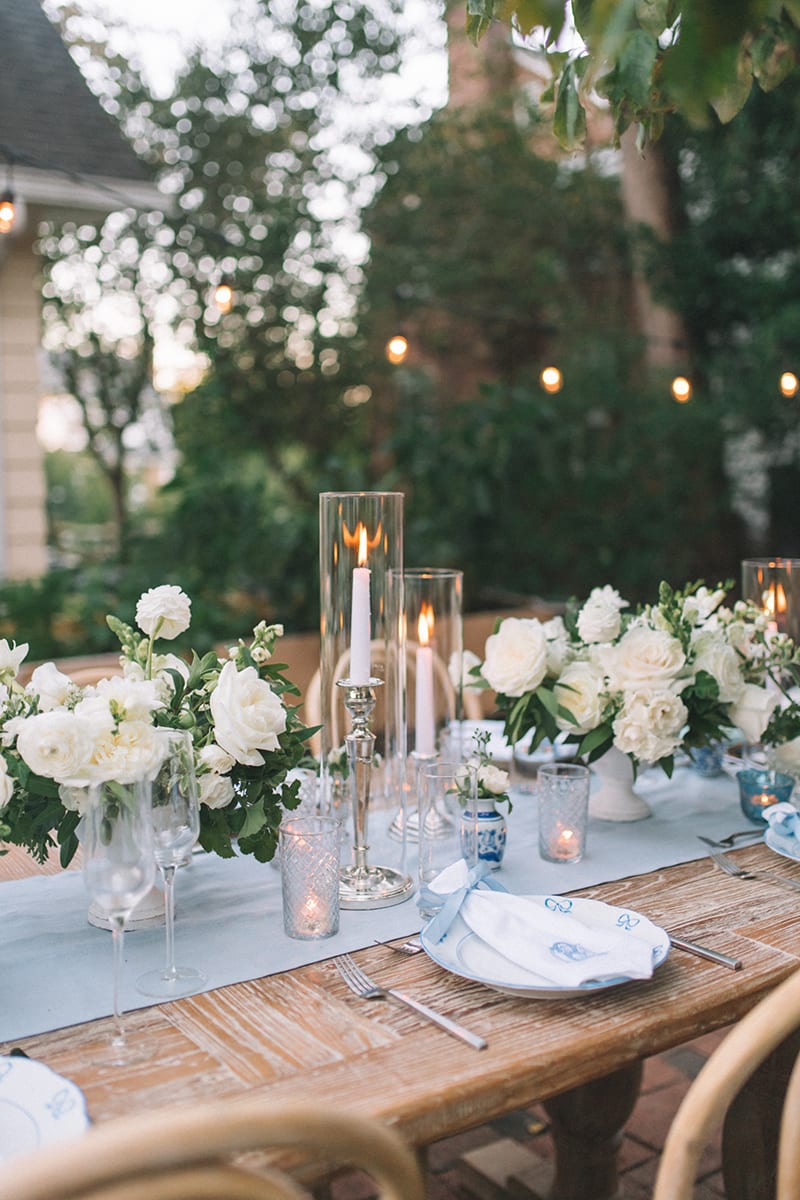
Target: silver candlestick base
361,885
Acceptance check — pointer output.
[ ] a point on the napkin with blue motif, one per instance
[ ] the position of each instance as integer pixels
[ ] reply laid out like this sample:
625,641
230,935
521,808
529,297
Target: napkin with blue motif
783,829
564,941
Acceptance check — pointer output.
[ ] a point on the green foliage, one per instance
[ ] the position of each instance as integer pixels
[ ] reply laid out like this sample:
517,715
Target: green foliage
652,58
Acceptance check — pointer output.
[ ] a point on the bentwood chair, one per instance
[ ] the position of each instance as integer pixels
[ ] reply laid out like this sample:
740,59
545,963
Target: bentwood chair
184,1154
729,1067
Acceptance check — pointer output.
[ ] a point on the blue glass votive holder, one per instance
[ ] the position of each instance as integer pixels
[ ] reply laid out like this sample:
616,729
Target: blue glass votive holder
761,789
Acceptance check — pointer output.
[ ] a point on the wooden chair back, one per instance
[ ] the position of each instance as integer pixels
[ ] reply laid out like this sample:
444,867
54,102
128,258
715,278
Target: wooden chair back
184,1154
727,1069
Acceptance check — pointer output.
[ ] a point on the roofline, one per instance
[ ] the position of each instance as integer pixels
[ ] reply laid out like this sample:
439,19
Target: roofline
95,193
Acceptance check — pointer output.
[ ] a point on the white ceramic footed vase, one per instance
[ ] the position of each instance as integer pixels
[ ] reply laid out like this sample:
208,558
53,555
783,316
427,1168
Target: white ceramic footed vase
613,796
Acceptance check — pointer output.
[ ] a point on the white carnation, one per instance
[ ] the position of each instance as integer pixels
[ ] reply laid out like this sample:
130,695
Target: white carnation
516,656
164,611
650,724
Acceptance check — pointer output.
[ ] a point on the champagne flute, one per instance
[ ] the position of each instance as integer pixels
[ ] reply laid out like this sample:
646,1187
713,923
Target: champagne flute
175,818
118,870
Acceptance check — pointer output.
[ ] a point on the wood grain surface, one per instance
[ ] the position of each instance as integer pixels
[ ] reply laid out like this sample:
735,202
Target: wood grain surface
302,1035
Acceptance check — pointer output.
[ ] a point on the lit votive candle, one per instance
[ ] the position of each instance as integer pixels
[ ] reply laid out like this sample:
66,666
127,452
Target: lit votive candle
758,790
563,811
309,848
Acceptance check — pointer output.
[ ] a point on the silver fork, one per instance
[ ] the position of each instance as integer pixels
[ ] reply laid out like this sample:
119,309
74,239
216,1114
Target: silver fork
725,864
362,985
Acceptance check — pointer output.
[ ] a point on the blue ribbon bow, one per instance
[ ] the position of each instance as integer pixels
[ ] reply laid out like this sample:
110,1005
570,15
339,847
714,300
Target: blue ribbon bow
448,904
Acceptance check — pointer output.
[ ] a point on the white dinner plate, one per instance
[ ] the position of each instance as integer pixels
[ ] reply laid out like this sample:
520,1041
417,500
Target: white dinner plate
463,953
789,847
37,1107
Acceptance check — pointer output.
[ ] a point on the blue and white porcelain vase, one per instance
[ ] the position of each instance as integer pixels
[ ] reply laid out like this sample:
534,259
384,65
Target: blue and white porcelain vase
489,826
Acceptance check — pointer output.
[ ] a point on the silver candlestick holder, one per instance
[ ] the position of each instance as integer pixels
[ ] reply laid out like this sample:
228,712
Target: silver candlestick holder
362,885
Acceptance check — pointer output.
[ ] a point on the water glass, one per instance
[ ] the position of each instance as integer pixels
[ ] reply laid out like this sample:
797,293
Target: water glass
309,849
563,811
442,838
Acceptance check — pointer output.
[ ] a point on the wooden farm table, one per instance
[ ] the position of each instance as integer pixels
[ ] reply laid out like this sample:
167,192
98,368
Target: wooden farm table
301,1034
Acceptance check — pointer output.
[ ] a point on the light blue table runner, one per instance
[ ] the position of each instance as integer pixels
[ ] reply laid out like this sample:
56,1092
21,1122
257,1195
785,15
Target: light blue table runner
55,969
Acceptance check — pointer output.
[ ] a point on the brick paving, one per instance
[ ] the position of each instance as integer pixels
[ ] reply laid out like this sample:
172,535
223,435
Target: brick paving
510,1158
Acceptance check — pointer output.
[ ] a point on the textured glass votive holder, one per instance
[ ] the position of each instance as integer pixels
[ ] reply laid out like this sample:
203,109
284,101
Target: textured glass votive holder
309,847
563,811
759,790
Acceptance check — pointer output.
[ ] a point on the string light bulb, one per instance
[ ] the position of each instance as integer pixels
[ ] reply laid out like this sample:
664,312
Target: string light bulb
551,379
789,384
8,211
223,296
397,349
681,389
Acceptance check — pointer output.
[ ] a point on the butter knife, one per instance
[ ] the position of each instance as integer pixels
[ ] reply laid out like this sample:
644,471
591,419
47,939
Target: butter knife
734,964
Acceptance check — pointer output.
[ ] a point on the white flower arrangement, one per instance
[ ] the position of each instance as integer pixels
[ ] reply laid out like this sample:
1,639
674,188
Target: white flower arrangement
683,672
56,738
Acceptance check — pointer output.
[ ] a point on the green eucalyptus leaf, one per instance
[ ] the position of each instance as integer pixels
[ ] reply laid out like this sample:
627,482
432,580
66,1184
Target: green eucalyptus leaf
569,118
635,67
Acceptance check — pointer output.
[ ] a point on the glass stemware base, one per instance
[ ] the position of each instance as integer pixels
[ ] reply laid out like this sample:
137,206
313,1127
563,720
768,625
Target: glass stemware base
169,982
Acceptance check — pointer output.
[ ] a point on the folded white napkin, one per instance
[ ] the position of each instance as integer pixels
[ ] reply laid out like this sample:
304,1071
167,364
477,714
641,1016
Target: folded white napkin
563,941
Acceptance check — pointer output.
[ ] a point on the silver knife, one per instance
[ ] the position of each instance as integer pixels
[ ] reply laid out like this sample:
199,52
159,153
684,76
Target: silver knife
735,964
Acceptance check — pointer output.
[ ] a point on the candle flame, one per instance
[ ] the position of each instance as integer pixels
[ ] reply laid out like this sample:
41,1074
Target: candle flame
425,624
774,600
360,541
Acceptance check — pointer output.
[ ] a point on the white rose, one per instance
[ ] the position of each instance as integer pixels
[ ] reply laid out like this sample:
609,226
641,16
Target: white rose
216,791
216,759
650,723
493,779
11,658
752,711
580,691
516,656
248,716
57,744
74,797
50,685
714,655
164,611
555,632
643,657
131,751
599,620
6,784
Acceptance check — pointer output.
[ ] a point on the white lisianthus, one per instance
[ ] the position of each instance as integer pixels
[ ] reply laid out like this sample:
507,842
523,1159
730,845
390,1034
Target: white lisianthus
57,745
164,611
650,724
493,779
463,679
11,659
248,716
580,690
132,750
6,784
642,657
516,656
752,711
557,645
698,607
599,620
216,759
714,655
51,686
215,791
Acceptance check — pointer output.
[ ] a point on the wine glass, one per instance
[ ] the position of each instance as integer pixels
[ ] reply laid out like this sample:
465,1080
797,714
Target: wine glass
175,818
118,870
